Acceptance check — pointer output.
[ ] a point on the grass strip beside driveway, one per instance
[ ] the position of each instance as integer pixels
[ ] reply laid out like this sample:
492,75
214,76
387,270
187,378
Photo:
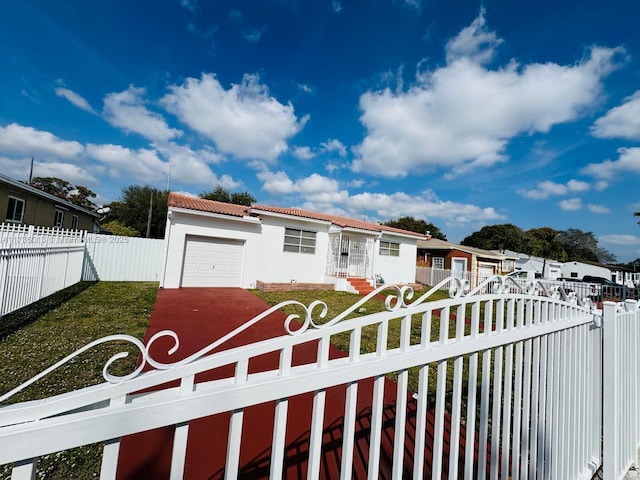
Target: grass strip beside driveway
105,308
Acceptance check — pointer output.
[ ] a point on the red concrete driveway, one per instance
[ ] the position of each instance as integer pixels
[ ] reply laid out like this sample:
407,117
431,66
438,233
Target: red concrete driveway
200,316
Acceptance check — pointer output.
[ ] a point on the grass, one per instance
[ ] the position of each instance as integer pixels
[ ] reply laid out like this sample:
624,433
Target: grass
337,302
103,309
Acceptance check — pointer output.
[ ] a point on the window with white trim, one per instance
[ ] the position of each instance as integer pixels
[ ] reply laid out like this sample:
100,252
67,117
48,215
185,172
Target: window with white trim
58,219
299,241
74,222
390,248
438,262
15,210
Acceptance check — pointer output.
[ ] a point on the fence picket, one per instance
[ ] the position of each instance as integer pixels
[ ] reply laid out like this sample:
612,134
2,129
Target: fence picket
536,364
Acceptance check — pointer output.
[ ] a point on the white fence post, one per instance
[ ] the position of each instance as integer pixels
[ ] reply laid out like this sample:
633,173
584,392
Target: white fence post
620,379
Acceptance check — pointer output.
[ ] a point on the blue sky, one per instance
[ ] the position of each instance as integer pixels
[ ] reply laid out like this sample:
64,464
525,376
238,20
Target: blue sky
462,113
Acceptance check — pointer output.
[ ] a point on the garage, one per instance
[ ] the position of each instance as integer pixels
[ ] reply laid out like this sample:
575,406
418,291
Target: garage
212,262
485,271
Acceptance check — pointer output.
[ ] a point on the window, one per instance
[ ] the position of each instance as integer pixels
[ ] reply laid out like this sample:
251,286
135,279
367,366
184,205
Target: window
299,241
438,262
58,219
74,222
390,248
15,210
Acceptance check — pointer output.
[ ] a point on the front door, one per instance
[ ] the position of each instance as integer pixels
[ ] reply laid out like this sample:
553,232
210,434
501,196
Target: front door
459,268
350,256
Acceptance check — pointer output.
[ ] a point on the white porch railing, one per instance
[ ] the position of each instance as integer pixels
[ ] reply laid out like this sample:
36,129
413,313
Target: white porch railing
511,381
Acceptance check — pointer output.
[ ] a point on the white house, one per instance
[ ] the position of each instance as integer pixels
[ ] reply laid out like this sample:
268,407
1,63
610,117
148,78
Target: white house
534,266
577,270
210,244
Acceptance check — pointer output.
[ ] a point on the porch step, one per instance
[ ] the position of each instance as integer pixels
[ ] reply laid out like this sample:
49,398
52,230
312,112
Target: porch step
362,286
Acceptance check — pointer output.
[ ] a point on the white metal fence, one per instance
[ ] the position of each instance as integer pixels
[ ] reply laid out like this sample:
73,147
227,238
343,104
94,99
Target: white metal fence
37,261
501,385
124,259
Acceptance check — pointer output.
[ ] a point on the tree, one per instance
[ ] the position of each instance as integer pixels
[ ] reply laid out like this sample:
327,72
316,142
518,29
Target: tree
52,185
132,209
76,194
221,194
416,225
637,214
499,237
544,243
80,196
579,245
118,228
243,198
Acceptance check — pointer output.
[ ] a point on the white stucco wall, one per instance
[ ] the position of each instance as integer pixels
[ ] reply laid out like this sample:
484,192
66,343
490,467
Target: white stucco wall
400,269
264,258
579,270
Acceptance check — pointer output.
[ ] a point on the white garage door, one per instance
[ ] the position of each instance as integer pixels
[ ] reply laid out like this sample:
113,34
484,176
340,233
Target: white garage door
212,262
485,271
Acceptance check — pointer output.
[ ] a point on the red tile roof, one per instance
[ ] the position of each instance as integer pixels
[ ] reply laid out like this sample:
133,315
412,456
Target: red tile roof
343,222
201,205
194,203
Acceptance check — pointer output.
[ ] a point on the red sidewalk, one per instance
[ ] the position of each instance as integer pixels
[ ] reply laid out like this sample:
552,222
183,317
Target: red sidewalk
199,317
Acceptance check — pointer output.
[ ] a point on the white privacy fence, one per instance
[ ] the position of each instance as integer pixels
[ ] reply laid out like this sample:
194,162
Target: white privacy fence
501,385
125,259
37,261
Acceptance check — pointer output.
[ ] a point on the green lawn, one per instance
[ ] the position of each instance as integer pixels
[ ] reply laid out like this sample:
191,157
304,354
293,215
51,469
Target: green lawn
112,307
103,309
337,302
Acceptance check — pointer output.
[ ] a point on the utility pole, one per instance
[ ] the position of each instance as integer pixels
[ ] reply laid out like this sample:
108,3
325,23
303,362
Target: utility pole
149,216
31,171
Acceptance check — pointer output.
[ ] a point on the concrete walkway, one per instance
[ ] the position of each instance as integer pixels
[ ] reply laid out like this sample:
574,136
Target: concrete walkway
200,316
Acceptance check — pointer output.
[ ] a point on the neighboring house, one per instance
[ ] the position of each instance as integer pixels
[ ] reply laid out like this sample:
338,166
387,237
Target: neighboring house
577,270
471,263
536,265
210,243
23,204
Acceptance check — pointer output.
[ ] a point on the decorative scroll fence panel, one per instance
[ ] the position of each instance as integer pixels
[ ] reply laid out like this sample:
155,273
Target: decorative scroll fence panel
509,384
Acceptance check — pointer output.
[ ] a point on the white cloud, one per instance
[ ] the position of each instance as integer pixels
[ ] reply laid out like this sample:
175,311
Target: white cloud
548,188
276,182
306,88
303,153
335,145
253,36
474,42
620,239
19,169
336,6
189,5
570,204
462,115
244,120
191,166
28,141
324,194
142,164
75,99
127,110
620,122
628,161
598,208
